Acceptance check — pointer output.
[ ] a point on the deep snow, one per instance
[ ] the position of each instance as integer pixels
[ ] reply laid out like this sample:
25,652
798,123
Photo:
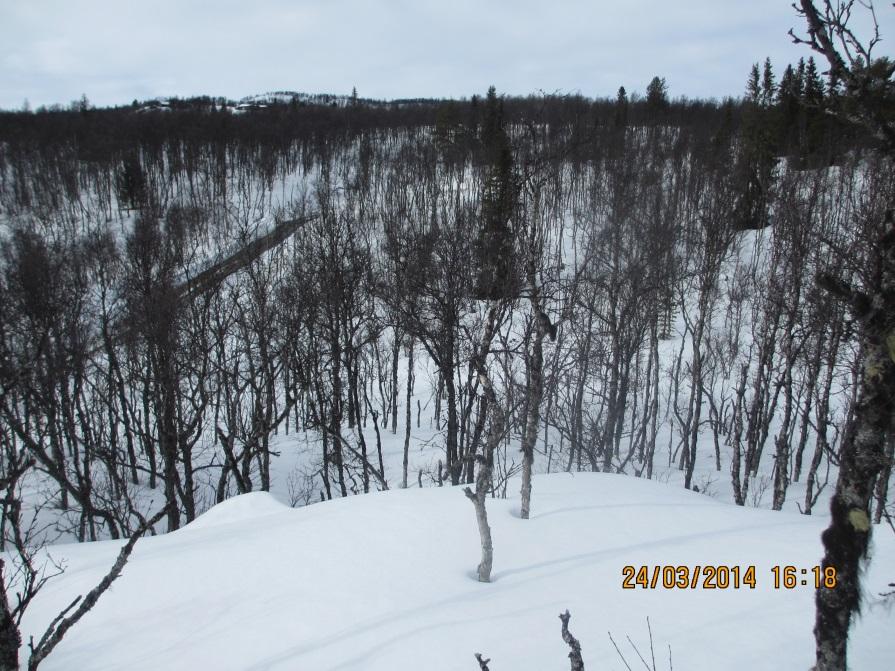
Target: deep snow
385,581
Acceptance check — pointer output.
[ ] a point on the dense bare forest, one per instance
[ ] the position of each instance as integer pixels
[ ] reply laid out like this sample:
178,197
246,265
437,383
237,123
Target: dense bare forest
602,228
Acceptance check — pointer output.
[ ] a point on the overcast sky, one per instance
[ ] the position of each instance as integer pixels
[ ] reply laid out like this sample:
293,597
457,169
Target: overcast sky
52,51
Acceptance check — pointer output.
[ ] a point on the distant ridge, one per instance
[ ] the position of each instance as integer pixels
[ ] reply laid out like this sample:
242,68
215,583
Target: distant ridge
260,101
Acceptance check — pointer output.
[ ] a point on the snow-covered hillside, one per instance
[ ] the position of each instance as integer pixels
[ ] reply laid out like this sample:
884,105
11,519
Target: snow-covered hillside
386,581
670,329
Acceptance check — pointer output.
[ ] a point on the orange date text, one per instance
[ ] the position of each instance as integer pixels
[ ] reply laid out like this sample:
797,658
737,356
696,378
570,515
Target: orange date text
710,576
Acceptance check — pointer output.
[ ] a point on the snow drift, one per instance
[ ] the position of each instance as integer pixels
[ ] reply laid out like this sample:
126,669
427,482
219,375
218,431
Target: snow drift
386,581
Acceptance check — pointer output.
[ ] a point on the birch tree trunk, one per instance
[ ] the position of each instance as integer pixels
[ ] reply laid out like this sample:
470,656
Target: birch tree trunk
863,455
486,461
535,396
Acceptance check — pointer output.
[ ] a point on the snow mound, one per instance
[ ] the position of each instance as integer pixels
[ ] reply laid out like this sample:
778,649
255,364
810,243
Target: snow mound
243,508
383,582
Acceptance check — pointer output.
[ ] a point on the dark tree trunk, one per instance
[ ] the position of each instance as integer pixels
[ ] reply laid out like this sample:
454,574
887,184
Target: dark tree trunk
10,639
453,424
408,417
394,390
864,455
821,445
847,538
782,446
575,660
864,449
535,395
335,423
167,430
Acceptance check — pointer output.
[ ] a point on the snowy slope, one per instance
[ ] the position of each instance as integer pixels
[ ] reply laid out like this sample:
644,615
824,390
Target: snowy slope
386,582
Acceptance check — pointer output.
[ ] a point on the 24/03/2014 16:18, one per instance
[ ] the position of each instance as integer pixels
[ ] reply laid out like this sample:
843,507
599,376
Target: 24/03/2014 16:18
713,576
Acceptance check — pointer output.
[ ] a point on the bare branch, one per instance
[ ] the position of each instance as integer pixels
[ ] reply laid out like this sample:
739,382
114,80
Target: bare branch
483,663
620,655
61,624
575,655
15,472
851,61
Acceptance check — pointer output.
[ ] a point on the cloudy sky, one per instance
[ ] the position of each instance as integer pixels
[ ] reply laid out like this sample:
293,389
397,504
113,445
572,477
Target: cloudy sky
52,51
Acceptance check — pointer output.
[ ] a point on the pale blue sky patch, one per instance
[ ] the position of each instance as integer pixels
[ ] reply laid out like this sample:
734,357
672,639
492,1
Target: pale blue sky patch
113,51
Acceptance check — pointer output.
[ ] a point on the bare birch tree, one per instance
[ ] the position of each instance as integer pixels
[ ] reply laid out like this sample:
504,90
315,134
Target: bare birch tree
867,88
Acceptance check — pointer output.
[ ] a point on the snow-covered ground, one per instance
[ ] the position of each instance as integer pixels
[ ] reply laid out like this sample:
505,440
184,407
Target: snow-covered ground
386,581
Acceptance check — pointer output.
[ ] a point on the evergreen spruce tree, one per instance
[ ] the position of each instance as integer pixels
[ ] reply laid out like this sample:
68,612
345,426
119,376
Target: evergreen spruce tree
656,98
497,272
789,110
813,89
754,164
817,128
621,108
768,85
753,85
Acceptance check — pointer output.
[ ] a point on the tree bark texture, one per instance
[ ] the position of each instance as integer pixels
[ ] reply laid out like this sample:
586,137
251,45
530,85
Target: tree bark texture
864,457
577,663
486,461
10,639
482,486
535,396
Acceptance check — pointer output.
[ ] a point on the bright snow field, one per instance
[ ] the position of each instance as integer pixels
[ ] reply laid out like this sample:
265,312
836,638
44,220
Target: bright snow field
386,581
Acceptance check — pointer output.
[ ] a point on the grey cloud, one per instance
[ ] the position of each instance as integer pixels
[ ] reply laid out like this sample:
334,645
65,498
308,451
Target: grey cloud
52,51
